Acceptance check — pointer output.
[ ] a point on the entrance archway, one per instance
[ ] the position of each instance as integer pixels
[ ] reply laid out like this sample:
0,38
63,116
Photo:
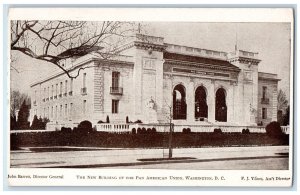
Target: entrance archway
221,108
179,102
201,108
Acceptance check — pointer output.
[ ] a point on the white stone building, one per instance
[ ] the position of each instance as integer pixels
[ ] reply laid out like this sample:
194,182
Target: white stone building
151,81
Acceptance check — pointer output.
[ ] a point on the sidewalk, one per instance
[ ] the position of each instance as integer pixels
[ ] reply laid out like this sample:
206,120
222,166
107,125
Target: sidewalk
108,157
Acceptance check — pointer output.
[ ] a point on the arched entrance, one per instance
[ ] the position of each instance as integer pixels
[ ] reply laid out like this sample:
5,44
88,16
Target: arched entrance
201,107
221,108
179,102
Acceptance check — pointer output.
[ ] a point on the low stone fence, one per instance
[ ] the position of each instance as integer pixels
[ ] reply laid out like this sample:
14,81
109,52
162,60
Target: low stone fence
161,127
114,127
285,129
164,127
57,127
30,131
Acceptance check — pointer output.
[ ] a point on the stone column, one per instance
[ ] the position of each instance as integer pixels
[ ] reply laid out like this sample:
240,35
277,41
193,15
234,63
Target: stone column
274,104
190,101
230,103
211,102
137,83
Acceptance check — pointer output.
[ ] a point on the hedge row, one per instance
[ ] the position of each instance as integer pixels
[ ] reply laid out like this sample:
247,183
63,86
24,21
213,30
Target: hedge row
129,140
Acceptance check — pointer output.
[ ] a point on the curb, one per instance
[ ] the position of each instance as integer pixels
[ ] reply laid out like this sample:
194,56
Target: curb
164,162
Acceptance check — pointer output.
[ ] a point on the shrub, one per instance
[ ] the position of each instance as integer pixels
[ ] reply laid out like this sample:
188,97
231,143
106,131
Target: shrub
127,119
218,131
144,130
273,129
133,131
245,131
66,130
188,130
85,127
107,119
139,130
149,130
99,122
35,123
138,121
153,130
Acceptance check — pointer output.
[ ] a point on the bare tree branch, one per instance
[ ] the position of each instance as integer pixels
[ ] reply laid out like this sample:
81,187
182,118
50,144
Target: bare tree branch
53,41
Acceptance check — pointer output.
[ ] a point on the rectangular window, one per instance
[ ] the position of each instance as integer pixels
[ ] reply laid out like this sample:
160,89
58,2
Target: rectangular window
66,110
61,88
66,87
44,112
52,91
71,85
84,106
56,90
264,95
264,113
84,80
115,79
52,112
45,94
60,112
56,116
48,92
71,111
115,106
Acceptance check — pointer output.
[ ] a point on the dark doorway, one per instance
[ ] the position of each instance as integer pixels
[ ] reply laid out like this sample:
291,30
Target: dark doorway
201,108
221,108
179,102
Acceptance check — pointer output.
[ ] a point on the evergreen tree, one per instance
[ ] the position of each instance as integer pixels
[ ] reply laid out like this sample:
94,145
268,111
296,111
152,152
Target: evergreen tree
23,115
35,123
13,123
286,117
107,119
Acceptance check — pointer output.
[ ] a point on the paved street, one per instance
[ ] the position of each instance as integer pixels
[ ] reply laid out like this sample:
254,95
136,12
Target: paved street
267,158
245,164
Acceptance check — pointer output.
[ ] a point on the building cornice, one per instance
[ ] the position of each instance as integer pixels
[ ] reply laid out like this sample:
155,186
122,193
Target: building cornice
93,59
245,60
152,46
201,65
268,79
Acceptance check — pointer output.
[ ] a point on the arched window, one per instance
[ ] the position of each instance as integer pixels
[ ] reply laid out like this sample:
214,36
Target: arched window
179,102
201,108
221,108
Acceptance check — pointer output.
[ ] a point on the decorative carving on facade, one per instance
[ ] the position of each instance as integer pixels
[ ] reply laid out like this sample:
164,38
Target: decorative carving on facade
151,103
149,64
147,46
234,83
248,76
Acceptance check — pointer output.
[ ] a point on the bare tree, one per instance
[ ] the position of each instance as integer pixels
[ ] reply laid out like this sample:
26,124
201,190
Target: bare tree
54,41
282,108
169,116
16,100
282,101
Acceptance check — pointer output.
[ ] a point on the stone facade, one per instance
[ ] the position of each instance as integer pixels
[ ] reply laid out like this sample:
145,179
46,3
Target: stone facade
152,81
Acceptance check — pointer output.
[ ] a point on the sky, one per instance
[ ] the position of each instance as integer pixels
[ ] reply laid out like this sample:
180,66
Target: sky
270,40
